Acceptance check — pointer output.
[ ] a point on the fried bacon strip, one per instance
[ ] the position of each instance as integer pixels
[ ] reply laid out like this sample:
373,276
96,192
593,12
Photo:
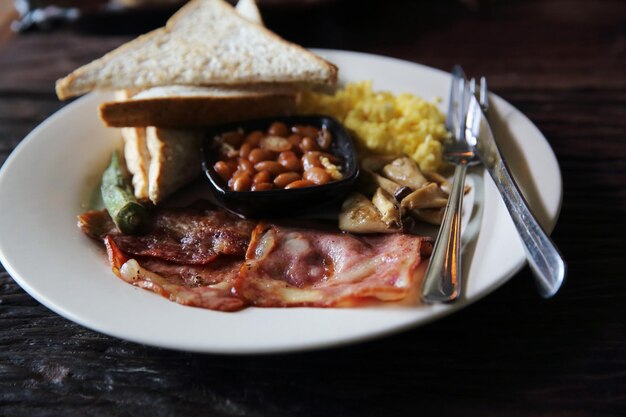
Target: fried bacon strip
205,286
195,257
290,266
191,256
189,236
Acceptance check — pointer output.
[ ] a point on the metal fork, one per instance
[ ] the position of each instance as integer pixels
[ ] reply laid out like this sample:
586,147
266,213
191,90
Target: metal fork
543,256
442,281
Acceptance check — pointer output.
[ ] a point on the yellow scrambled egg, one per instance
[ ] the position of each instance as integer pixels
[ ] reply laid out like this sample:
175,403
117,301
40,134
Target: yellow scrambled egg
385,123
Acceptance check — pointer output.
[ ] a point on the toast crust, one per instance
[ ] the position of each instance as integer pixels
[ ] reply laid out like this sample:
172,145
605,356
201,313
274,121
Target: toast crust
194,112
137,159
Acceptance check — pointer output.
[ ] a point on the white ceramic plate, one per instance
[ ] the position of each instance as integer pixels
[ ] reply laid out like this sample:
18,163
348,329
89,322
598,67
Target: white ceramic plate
50,177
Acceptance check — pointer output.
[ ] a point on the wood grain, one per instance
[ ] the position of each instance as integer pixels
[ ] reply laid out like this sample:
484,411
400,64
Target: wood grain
563,63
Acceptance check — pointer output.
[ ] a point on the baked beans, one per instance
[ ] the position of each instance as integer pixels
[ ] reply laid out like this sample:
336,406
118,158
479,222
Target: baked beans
281,157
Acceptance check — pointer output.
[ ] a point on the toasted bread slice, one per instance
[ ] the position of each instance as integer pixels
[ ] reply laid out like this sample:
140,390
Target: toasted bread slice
175,160
137,159
205,43
190,107
169,157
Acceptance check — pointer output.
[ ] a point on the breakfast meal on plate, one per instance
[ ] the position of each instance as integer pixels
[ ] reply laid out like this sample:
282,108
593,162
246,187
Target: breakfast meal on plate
214,91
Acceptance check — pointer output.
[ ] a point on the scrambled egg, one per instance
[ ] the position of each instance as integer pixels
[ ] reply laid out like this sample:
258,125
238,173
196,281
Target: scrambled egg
384,123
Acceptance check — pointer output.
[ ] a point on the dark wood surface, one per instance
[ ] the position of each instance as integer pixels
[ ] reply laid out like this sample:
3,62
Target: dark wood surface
562,63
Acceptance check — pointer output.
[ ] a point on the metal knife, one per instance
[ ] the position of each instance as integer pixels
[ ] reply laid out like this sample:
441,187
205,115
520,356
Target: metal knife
543,256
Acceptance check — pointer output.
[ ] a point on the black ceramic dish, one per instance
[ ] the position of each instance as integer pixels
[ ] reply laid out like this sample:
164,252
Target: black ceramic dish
281,202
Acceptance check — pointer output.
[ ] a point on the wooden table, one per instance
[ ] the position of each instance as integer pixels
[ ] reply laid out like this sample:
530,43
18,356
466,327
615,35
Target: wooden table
562,63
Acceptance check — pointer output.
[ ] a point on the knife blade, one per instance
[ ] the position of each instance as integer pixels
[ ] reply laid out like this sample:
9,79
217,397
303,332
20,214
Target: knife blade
543,256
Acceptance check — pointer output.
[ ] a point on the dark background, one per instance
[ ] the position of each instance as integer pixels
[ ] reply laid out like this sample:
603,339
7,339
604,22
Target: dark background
562,63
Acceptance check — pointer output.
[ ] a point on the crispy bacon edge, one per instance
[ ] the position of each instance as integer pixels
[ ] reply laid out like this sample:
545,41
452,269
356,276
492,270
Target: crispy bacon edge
217,297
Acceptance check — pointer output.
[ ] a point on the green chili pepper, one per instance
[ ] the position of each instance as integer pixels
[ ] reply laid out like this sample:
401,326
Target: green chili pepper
127,213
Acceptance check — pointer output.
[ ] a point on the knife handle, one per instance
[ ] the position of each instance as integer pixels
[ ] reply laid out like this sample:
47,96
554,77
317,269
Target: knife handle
544,258
442,280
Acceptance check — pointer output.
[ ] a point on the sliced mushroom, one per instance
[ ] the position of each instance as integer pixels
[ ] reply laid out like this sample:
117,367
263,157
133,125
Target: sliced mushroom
432,216
434,177
388,208
386,184
405,171
441,181
402,193
369,181
429,196
359,215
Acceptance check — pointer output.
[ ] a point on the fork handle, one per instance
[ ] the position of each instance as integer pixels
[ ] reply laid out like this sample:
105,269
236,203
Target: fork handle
543,256
442,281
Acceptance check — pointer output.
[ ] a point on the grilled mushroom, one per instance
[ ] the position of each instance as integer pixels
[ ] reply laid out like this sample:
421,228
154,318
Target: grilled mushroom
399,189
429,196
369,181
388,208
360,215
405,171
441,181
428,215
387,185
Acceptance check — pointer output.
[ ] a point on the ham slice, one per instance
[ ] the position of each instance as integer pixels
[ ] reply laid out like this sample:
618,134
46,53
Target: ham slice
292,266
